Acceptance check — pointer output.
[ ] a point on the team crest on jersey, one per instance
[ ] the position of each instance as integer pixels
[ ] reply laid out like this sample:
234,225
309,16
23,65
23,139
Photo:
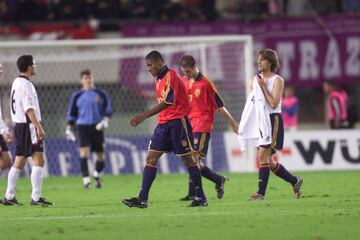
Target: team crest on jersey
197,92
184,143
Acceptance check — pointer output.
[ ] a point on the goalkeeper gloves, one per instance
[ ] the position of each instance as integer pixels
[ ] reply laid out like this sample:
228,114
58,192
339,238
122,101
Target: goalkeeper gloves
104,123
69,133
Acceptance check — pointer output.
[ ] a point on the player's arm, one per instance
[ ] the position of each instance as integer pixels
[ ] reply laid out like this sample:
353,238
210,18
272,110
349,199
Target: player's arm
39,129
155,110
272,98
228,117
72,112
29,108
104,123
72,115
220,105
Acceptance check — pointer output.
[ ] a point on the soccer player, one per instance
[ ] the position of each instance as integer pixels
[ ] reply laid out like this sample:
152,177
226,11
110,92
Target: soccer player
173,132
29,133
272,86
90,109
204,100
5,137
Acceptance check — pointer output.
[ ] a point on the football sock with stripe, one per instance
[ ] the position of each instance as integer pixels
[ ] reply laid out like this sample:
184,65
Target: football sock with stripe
280,171
195,176
149,176
264,172
210,174
191,192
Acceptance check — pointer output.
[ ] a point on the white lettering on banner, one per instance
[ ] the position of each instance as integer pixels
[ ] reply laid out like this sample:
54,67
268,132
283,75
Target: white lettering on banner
309,68
332,67
352,64
286,52
65,166
164,164
117,161
137,160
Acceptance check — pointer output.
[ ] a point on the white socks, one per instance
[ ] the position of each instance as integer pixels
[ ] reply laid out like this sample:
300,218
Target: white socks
86,180
37,176
14,174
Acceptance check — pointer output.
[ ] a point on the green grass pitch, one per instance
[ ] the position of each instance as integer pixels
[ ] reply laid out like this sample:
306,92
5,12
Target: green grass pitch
329,209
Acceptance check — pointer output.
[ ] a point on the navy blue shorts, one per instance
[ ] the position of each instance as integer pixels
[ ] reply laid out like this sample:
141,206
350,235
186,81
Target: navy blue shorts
201,143
3,145
90,137
173,136
277,131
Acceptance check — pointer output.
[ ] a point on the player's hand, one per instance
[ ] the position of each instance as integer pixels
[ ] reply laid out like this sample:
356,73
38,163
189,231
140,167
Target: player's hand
104,123
8,137
69,133
260,80
40,133
136,120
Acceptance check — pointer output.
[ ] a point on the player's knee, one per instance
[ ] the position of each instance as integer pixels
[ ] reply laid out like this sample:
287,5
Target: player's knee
84,152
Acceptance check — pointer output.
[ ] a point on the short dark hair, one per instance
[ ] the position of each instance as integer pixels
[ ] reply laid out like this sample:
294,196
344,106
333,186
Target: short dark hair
271,56
154,55
24,62
85,72
187,61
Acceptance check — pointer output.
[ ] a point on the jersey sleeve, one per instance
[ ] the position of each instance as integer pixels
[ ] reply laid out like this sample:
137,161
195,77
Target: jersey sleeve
107,104
28,97
215,97
72,112
168,95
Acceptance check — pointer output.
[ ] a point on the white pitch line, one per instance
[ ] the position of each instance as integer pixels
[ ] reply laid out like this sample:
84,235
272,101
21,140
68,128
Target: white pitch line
121,215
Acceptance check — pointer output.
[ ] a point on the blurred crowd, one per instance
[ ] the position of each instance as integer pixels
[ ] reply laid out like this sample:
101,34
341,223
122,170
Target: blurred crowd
15,11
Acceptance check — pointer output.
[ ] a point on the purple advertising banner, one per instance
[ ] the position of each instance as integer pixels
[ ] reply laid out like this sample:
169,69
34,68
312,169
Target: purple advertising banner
310,49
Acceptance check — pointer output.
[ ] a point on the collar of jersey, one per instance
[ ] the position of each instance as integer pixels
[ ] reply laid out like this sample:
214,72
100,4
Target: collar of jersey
22,76
163,72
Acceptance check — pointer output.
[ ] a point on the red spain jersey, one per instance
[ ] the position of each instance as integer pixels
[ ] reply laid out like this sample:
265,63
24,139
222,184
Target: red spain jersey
204,100
171,90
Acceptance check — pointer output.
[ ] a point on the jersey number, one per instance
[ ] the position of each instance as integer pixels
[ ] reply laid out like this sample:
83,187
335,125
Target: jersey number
13,102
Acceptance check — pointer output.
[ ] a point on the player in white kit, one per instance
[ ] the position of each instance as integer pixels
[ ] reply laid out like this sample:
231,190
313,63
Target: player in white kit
29,134
5,137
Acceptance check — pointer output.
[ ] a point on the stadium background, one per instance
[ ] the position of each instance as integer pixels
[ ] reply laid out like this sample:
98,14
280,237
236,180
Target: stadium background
315,41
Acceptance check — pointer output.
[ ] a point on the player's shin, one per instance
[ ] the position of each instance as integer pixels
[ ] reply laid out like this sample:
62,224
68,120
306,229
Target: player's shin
37,176
149,176
280,171
264,172
13,175
195,175
85,170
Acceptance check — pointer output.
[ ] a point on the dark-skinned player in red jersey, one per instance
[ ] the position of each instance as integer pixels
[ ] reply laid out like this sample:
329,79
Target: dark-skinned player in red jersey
173,132
204,101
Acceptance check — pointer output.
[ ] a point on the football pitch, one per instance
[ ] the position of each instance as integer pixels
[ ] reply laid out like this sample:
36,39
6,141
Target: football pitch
329,209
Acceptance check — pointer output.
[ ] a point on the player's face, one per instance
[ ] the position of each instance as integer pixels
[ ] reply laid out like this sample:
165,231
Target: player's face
153,67
189,72
263,64
33,68
87,81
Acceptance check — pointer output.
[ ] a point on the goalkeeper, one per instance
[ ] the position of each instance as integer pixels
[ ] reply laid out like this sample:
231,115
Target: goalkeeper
90,110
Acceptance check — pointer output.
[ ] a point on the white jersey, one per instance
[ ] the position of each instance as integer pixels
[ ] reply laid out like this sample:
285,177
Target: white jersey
23,98
270,86
3,128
